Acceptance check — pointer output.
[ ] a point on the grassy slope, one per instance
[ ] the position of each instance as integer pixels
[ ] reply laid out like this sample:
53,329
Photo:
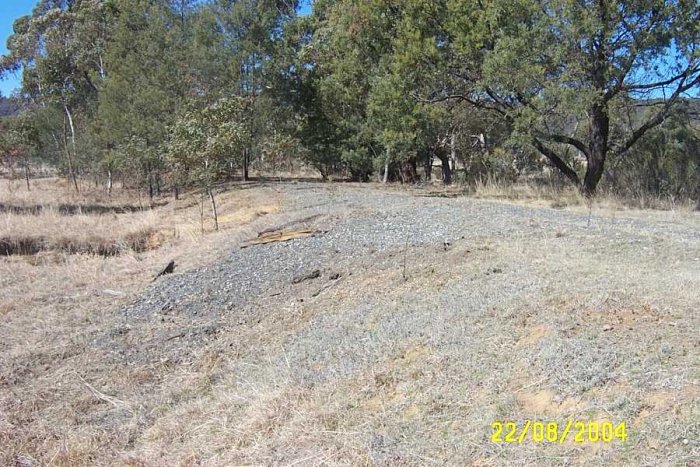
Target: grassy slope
555,324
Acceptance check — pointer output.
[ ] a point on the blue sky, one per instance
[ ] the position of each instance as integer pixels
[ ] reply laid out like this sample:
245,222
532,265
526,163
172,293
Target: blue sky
10,10
13,9
305,7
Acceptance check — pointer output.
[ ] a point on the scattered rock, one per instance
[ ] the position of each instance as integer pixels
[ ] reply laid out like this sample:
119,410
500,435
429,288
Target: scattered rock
308,276
113,293
24,461
120,331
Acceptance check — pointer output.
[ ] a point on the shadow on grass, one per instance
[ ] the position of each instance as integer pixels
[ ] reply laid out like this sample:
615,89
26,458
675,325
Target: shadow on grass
137,242
75,209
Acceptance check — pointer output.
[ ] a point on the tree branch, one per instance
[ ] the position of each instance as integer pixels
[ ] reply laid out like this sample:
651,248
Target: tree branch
632,30
619,86
89,82
557,161
498,100
464,98
657,119
564,140
658,84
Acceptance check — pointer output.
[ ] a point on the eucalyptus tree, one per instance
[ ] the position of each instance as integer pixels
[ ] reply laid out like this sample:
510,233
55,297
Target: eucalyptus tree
20,142
234,51
204,139
60,48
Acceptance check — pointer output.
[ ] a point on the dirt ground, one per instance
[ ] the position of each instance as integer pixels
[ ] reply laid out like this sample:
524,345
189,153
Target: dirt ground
395,333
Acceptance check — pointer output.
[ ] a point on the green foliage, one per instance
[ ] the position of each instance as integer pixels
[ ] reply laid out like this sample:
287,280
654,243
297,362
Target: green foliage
20,140
198,89
135,156
146,63
665,163
556,70
204,140
339,61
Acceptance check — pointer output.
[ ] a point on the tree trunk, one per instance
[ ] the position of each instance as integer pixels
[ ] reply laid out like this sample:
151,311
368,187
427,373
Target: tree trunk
428,167
408,172
246,162
453,152
213,208
441,153
446,171
102,67
325,172
12,176
149,177
177,192
109,183
201,213
71,168
598,149
385,177
26,174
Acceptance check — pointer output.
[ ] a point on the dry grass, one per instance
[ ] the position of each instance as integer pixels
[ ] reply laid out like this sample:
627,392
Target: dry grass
54,302
432,397
94,223
550,195
52,219
528,193
428,399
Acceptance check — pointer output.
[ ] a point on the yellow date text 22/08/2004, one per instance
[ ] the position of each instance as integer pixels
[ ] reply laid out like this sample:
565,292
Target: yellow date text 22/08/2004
553,432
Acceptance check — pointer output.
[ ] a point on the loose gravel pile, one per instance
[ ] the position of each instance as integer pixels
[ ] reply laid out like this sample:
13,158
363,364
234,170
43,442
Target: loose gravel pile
361,224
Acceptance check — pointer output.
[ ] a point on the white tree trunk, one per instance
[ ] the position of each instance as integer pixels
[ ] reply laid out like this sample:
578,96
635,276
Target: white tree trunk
102,68
385,178
71,168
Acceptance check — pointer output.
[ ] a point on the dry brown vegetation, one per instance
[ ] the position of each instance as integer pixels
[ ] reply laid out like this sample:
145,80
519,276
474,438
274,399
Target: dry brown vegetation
551,195
53,301
544,195
64,400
